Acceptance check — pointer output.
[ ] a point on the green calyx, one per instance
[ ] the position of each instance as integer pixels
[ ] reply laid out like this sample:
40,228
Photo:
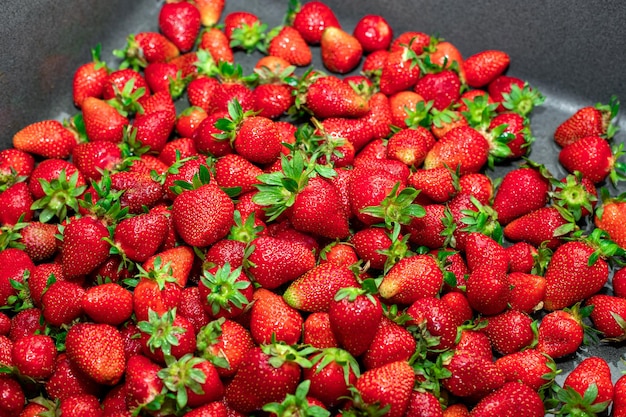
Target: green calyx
246,231
296,404
279,353
126,100
106,205
479,111
132,55
163,333
572,195
397,208
208,336
160,273
225,288
250,37
482,220
61,194
522,100
182,374
609,115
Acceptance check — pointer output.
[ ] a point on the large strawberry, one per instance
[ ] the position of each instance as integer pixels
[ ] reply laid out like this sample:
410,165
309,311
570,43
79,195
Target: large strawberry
84,246
588,388
329,96
610,217
180,23
521,191
311,19
389,385
341,51
512,399
410,279
588,121
462,147
48,138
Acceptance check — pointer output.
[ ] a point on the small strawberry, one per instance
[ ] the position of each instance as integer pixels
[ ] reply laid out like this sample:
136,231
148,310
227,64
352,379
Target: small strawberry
410,279
609,217
594,158
527,291
97,350
588,388
588,121
437,319
608,315
316,288
389,385
215,42
330,96
210,11
392,342
108,303
332,371
619,398
48,138
483,67
62,303
400,71
245,31
13,398
530,366
373,32
546,224
472,376
512,399
272,318
561,332
510,331
225,343
341,52
316,331
311,18
34,356
144,48
16,204
443,88
291,46
462,147
89,78
180,23
84,247
103,121
521,191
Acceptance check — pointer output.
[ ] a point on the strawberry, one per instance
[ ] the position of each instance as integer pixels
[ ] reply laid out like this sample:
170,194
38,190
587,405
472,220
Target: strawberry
311,19
517,126
410,146
416,41
410,279
139,190
245,31
619,282
180,23
25,322
144,48
34,356
546,224
16,203
62,303
512,399
483,67
609,218
456,410
215,42
514,95
108,303
446,55
264,325
200,91
143,384
316,331
530,366
443,88
561,332
102,121
354,317
224,343
291,46
267,374
188,120
510,331
462,147
123,84
521,191
400,71
488,290
68,380
194,380
165,76
437,318
330,96
407,108
224,292
573,274
13,398
89,78
84,247
316,288
332,371
594,158
373,32
97,350
48,138
233,170
372,244
271,254
472,376
619,398
76,405
608,315
273,100
203,215
167,334
341,52
389,385
588,388
139,237
527,291
392,342
588,121
94,158
424,404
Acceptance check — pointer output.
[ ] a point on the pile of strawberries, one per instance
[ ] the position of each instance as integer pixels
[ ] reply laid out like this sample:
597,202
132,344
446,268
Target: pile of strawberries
307,241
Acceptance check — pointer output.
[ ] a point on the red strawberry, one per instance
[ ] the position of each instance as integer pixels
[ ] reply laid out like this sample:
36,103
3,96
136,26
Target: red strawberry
400,72
619,398
216,43
124,84
210,11
443,88
224,292
13,398
332,97
34,356
188,120
316,331
514,95
392,342
483,67
180,23
472,376
593,157
341,52
48,138
510,331
512,399
437,184
62,303
462,147
354,317
271,317
225,343
89,78
315,289
167,334
139,237
312,18
291,46
80,405
530,366
373,32
591,380
588,121
445,54
97,350
16,203
68,380
608,315
245,31
527,291
194,380
546,224
332,372
140,190
438,319
610,219
165,76
102,121
84,247
144,48
488,290
388,385
410,279
273,100
267,374
521,191
410,146
108,303
93,158
142,382
236,171
571,275
272,255
561,333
